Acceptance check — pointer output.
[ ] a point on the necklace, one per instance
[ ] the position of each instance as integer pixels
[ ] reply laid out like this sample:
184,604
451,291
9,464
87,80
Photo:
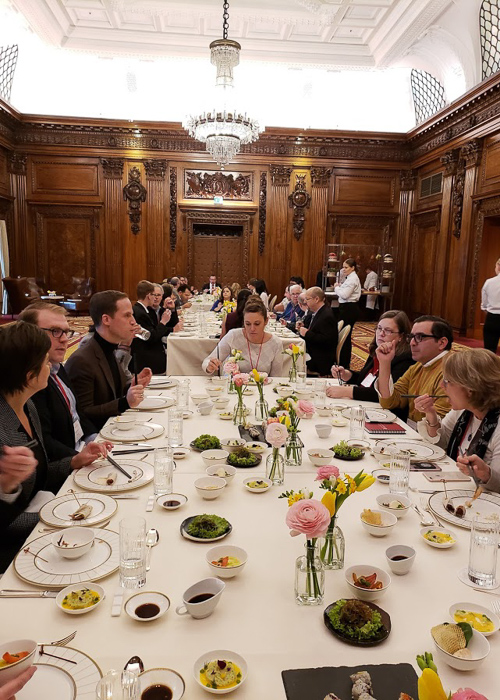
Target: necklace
250,353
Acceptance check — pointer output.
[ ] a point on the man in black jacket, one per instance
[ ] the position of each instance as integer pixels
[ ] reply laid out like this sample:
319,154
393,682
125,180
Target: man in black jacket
151,352
320,332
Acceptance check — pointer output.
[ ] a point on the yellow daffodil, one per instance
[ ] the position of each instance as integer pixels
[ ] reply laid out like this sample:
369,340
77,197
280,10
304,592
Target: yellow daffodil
285,420
352,484
366,482
294,498
328,500
255,375
430,686
340,487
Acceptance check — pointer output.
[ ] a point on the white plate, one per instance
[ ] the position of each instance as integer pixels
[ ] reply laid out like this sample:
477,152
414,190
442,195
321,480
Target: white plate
59,680
187,536
141,431
154,403
375,415
159,381
184,334
77,587
56,572
419,450
473,607
487,504
88,478
58,511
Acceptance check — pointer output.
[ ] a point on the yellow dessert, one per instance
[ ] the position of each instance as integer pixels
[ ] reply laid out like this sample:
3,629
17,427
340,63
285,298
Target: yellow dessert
371,518
78,600
220,674
479,621
438,537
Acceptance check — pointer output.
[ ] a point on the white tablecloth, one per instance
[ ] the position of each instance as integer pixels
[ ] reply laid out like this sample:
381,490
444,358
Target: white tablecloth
257,616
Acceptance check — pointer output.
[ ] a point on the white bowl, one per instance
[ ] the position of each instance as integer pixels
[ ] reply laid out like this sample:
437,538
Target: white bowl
400,567
365,570
7,673
145,598
236,443
210,487
339,422
220,654
381,475
214,391
257,489
473,607
198,398
257,448
437,545
226,550
384,501
225,415
125,422
180,452
162,676
323,430
323,412
302,394
324,457
78,587
220,402
284,391
388,522
478,646
363,445
211,457
228,470
73,542
178,498
219,381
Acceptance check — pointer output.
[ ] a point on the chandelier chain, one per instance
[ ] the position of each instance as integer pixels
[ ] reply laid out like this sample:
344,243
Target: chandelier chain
225,19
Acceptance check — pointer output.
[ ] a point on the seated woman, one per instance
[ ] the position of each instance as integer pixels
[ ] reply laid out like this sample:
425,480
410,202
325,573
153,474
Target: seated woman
225,295
234,319
261,351
393,325
259,287
24,467
470,432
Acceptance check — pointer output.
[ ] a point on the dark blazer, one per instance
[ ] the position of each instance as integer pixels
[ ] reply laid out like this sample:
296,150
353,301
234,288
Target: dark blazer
321,340
56,419
150,353
93,383
399,365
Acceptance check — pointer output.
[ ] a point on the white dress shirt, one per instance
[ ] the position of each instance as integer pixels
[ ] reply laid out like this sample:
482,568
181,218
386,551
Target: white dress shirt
490,295
349,290
371,282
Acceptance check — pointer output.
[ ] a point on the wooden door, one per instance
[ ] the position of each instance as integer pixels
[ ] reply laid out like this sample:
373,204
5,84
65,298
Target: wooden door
219,254
490,252
229,259
205,259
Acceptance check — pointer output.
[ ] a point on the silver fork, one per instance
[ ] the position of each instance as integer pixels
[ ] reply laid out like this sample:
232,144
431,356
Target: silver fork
60,642
495,605
424,504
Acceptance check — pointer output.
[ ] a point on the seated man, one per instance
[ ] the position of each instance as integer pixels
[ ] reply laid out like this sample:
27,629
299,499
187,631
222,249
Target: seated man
293,310
155,309
101,385
430,339
151,352
211,285
65,428
185,295
320,332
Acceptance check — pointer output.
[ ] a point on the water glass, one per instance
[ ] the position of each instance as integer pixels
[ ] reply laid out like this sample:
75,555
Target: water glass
483,552
142,333
182,393
301,380
357,423
175,427
320,393
132,553
399,474
163,471
118,685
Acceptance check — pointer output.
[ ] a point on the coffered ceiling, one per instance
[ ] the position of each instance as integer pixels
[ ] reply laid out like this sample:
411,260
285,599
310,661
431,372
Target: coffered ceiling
331,33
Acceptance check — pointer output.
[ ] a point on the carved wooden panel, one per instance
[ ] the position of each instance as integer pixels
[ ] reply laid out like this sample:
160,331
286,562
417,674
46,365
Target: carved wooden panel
4,175
490,170
204,260
206,184
364,189
420,276
66,178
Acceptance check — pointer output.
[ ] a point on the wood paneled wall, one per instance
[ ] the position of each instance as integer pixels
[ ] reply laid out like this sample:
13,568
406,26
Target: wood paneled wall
62,194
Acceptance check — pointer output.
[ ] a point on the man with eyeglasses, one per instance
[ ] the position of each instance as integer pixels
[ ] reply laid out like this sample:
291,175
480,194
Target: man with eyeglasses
430,340
320,332
65,429
293,310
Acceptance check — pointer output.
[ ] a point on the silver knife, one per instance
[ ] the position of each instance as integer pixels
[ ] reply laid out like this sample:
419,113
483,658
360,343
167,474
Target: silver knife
12,593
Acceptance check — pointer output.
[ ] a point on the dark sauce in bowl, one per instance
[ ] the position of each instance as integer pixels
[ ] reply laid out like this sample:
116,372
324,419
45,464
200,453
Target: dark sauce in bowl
399,557
201,597
171,504
158,691
147,610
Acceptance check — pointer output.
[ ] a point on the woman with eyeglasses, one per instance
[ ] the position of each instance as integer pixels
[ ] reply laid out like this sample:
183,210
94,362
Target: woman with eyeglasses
349,293
393,325
470,432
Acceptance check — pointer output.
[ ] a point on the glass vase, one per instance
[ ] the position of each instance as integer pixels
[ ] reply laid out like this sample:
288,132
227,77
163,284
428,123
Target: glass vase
332,548
240,412
293,450
231,389
309,577
261,410
275,467
292,374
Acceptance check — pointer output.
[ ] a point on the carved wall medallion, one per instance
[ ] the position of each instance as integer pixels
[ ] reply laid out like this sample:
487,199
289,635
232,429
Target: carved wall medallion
262,211
450,161
112,168
155,169
299,200
280,175
207,184
134,193
173,208
17,163
408,180
320,176
472,152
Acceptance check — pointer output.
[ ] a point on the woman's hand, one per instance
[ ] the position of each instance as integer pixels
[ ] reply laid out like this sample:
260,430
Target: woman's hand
213,365
89,454
339,392
474,465
424,404
339,372
8,690
16,465
386,352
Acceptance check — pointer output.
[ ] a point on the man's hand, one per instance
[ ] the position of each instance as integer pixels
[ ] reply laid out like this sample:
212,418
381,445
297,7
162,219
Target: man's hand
169,303
213,365
16,465
303,330
143,378
89,454
386,352
166,316
135,395
179,326
8,690
475,464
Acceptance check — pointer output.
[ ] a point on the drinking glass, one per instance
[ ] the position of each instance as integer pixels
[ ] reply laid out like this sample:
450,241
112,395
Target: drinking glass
143,333
320,393
163,471
357,423
182,393
118,685
483,552
175,427
132,552
301,380
399,475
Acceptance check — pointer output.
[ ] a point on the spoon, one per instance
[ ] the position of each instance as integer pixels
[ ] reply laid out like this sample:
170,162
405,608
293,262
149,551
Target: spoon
134,664
152,539
424,520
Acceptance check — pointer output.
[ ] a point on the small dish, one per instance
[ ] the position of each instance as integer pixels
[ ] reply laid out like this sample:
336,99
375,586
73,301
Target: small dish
400,558
360,444
284,392
187,414
478,610
264,484
147,606
73,542
479,648
171,501
198,398
256,447
180,452
154,677
427,532
215,554
224,471
381,636
389,520
395,504
78,587
225,415
211,457
367,594
320,457
16,646
210,487
323,412
233,444
216,655
339,422
214,390
381,475
220,402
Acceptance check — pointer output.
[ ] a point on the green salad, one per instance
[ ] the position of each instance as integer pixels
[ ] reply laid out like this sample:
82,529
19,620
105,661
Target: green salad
242,458
355,620
345,451
206,442
207,526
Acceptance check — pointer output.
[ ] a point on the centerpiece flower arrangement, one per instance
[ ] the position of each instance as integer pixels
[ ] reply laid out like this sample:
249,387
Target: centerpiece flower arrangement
296,410
240,381
338,489
431,688
294,352
276,435
307,516
261,407
229,306
231,367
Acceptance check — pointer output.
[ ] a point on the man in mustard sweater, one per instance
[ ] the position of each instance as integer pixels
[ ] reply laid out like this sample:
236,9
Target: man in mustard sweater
430,340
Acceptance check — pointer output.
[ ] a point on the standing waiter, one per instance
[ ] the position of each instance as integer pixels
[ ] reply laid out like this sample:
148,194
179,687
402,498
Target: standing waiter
490,302
349,293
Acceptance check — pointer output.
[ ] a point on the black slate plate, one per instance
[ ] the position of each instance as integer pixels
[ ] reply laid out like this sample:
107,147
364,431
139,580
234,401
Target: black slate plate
389,680
348,459
381,637
187,536
245,435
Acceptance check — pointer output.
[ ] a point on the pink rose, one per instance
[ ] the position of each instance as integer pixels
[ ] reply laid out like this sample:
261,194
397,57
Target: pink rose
273,420
327,472
230,367
308,517
467,694
241,379
305,409
276,434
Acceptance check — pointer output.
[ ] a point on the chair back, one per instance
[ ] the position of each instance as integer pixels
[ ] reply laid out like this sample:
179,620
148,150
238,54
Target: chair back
18,292
83,287
36,286
272,302
342,338
340,325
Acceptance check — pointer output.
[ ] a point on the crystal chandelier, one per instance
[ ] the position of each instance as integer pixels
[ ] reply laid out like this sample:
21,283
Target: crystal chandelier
223,129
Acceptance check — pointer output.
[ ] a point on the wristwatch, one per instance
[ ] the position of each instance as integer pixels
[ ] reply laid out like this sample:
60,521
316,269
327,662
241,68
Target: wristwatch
432,425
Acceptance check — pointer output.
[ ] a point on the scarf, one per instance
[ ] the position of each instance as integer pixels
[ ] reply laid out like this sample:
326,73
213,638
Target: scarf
480,440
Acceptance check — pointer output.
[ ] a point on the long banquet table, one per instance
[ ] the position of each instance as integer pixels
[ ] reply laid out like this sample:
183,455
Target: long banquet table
257,615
